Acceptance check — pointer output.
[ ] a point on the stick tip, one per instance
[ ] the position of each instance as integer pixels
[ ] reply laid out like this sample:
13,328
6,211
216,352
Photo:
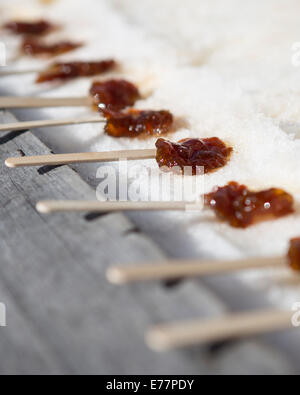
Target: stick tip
115,275
157,340
43,207
10,162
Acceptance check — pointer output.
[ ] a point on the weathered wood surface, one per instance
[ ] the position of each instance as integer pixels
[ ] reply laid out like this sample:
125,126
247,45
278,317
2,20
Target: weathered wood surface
62,315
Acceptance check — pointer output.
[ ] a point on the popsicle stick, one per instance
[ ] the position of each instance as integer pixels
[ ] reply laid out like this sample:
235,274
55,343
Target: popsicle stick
7,73
86,157
40,102
49,123
47,207
175,269
188,333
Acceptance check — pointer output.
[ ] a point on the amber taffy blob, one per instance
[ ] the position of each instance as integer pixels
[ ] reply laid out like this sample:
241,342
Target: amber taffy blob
114,94
32,47
193,154
294,254
72,70
36,28
135,123
240,207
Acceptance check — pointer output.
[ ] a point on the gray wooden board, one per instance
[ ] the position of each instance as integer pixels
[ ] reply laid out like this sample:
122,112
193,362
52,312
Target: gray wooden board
63,316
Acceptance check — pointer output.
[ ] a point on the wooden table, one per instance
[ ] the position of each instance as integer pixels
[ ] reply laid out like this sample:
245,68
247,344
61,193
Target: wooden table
62,315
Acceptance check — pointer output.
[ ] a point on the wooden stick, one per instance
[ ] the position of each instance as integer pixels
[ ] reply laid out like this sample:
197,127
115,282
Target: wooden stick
188,333
7,73
49,123
47,207
40,102
87,157
176,269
